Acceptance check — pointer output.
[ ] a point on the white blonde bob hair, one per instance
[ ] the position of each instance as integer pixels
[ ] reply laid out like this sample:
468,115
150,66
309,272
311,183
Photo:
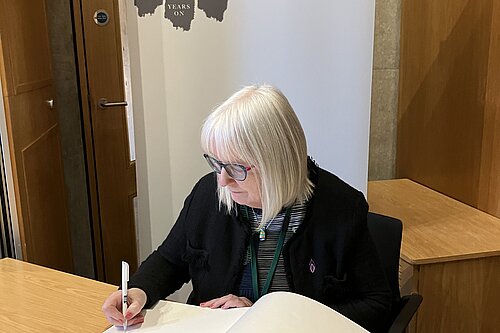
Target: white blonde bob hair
258,126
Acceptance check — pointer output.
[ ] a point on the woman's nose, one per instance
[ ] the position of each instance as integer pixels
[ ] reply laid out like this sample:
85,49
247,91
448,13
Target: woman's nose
223,178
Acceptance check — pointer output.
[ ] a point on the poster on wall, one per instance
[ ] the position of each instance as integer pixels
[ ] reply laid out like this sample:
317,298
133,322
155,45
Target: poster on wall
182,12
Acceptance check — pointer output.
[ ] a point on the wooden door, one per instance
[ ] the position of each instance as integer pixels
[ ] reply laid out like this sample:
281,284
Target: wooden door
112,173
33,132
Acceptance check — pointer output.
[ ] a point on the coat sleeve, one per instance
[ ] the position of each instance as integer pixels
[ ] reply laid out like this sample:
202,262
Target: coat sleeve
164,271
370,301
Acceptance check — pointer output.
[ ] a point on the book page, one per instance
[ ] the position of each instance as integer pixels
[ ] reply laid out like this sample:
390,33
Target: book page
289,312
169,316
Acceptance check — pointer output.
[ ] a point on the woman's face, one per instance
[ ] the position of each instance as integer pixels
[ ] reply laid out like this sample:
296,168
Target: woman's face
244,192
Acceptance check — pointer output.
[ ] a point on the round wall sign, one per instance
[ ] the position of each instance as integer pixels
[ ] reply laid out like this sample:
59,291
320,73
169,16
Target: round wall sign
101,17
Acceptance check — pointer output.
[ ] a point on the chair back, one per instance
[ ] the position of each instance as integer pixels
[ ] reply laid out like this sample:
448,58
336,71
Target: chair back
386,233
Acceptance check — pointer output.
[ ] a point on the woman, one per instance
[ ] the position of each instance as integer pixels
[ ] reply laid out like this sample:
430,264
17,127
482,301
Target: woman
267,219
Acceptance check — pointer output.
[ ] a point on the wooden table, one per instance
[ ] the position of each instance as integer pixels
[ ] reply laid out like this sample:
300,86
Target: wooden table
450,254
39,299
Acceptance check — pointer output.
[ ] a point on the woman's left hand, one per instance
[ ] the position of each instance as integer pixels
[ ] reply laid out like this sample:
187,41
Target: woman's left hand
227,302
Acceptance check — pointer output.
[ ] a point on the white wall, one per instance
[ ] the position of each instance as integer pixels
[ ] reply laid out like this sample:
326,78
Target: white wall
319,55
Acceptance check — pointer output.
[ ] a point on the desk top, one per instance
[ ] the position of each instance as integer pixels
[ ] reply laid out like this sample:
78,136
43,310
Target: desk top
436,228
39,299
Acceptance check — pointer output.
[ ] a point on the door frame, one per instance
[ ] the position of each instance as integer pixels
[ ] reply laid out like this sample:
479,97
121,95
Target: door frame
18,249
88,139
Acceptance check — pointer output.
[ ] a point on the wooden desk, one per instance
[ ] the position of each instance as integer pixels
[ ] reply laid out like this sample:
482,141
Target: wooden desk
450,255
38,299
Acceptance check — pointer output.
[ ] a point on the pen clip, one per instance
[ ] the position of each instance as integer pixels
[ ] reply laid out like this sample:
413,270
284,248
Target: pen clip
125,269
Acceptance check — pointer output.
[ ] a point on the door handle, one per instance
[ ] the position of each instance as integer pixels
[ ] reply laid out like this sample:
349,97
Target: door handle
103,103
50,103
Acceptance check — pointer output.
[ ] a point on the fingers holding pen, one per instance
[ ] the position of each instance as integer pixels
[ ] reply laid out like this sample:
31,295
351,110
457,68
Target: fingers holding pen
112,308
137,319
137,299
113,305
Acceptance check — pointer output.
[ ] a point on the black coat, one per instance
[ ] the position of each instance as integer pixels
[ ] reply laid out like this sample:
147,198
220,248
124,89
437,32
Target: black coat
208,246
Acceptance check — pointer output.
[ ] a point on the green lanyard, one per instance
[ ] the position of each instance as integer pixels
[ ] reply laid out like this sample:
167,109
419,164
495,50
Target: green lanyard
272,269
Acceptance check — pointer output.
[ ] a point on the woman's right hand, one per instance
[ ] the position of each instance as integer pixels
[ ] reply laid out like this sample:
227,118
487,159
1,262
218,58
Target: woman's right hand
112,307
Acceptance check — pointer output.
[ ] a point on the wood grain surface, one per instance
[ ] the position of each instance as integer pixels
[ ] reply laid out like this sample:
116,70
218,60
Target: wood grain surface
436,228
460,296
453,254
39,299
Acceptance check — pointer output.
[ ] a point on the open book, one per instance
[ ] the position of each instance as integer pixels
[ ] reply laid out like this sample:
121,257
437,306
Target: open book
274,312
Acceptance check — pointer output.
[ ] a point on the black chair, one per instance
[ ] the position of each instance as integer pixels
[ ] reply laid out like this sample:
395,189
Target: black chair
386,234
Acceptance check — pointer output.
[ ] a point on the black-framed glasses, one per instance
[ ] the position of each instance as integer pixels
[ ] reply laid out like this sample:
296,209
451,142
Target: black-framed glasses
236,171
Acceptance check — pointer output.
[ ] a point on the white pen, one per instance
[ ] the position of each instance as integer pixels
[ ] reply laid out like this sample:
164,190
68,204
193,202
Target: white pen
124,292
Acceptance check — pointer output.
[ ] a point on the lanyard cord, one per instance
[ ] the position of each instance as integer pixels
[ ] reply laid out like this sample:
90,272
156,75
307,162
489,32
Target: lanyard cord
272,269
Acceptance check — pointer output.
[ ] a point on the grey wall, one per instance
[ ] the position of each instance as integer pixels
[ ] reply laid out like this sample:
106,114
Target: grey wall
384,110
